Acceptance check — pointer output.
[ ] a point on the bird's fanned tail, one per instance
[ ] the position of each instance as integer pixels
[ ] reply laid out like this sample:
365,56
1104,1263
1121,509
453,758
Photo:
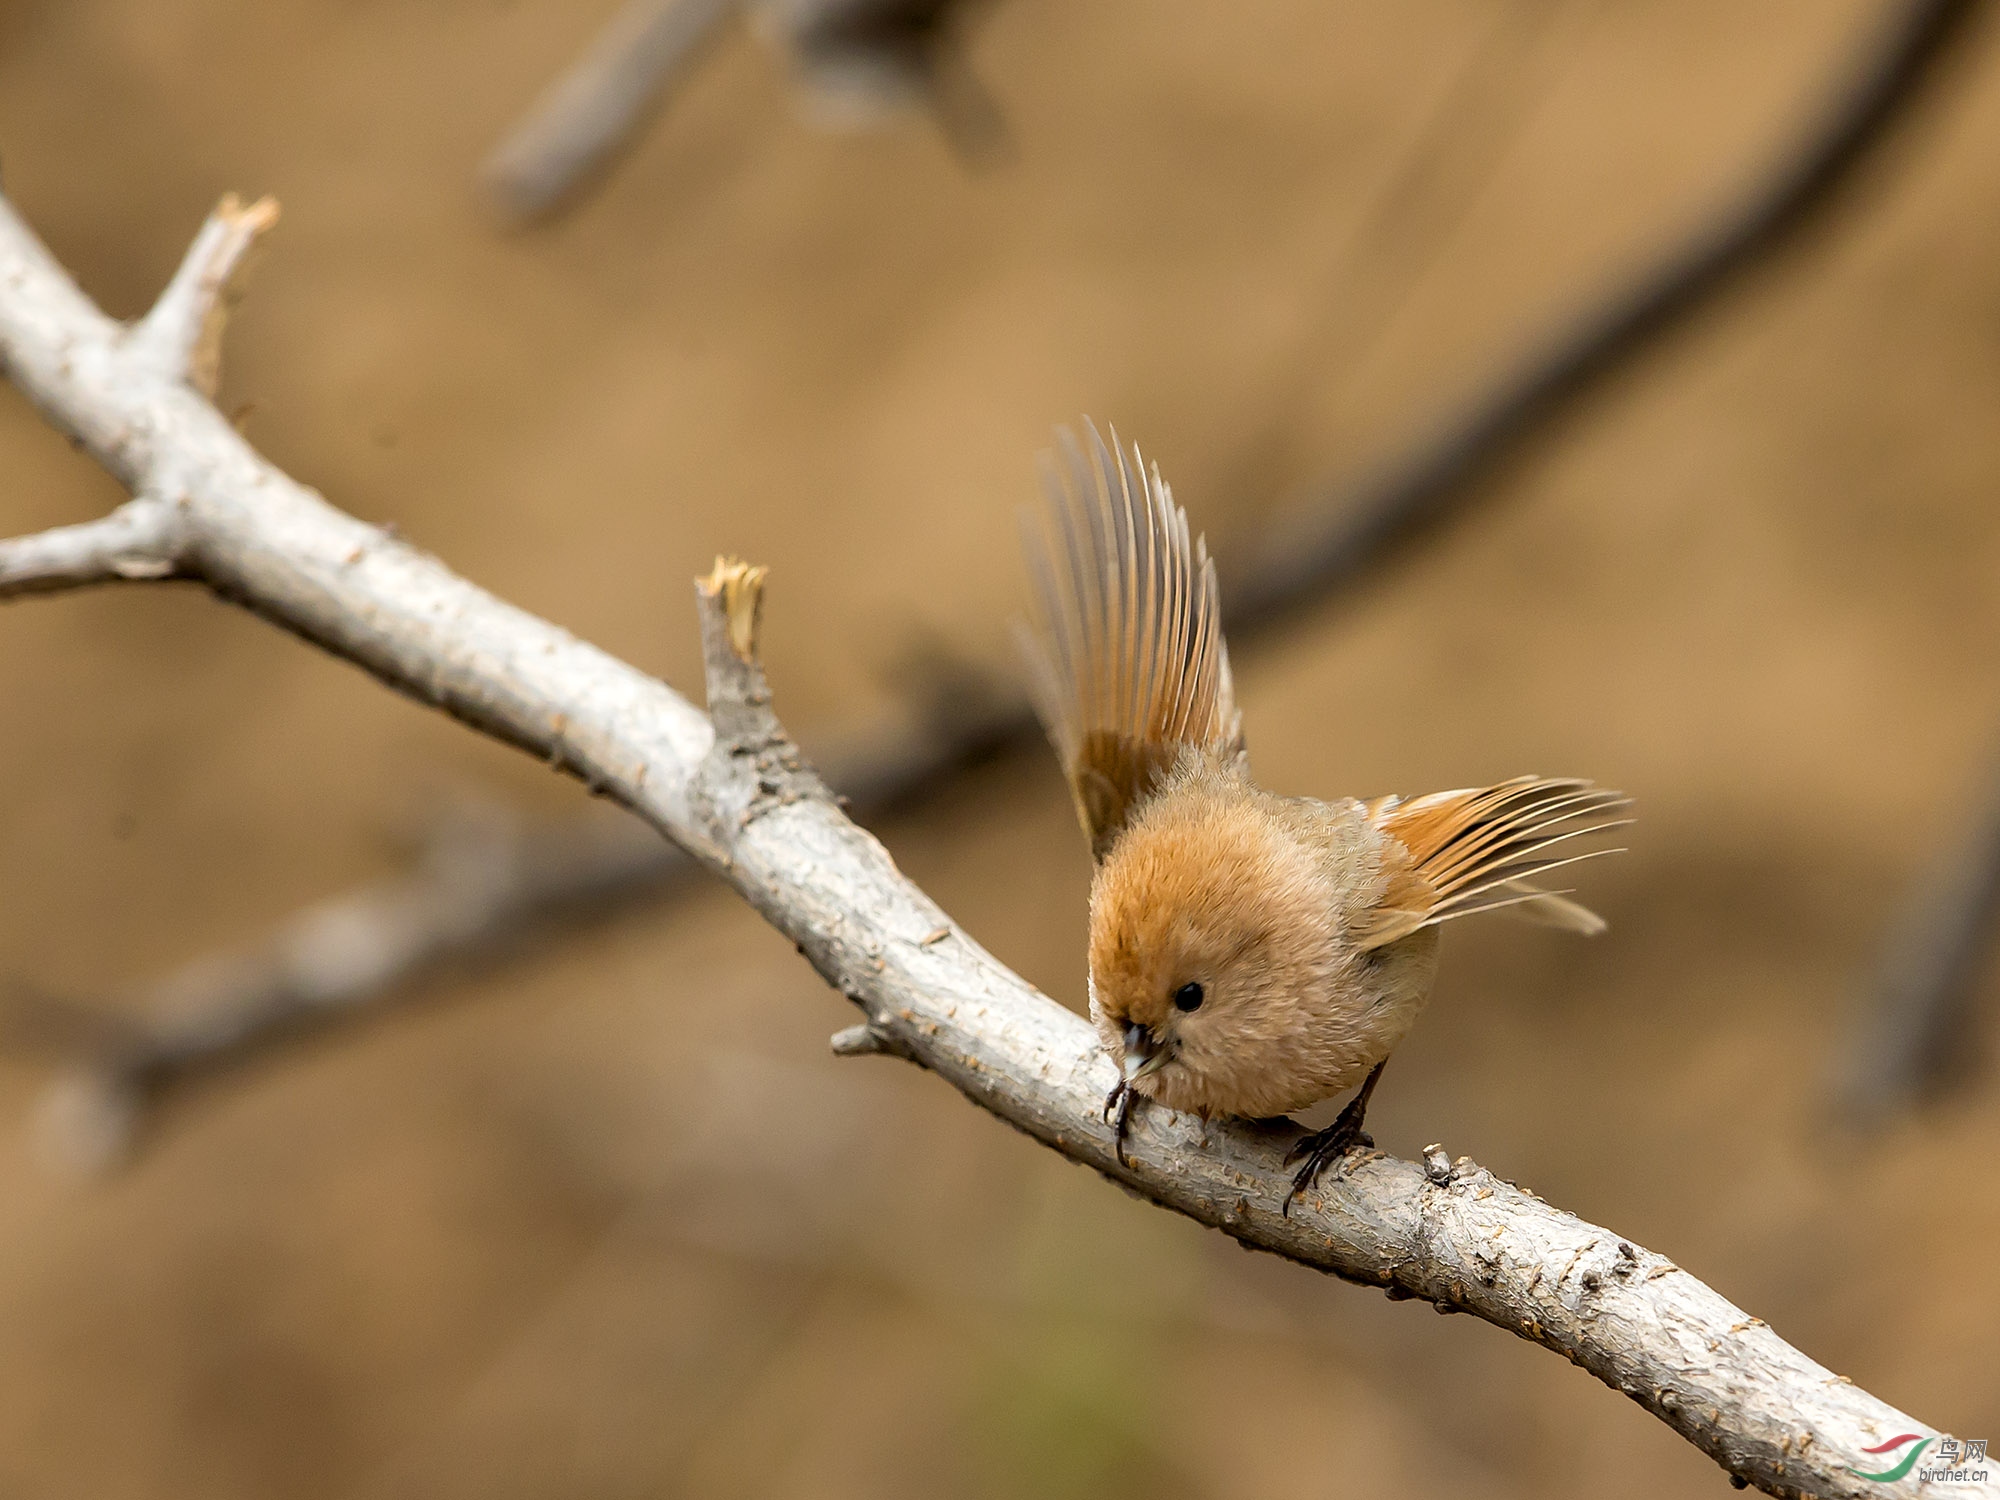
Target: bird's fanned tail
1482,849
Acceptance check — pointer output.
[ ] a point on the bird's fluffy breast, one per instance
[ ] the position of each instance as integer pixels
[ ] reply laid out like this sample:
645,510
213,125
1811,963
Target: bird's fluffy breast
1219,884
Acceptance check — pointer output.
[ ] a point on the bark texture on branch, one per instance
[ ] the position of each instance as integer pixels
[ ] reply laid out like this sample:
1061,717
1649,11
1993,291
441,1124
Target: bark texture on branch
736,795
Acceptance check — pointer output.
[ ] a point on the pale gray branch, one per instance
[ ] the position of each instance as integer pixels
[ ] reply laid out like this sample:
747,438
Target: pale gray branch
138,542
864,1040
182,334
740,800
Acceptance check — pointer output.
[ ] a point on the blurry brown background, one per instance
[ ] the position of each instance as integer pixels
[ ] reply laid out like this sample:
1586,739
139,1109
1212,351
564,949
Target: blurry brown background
610,1221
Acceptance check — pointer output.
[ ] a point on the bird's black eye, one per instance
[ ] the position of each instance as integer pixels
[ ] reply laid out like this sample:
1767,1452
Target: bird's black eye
1188,997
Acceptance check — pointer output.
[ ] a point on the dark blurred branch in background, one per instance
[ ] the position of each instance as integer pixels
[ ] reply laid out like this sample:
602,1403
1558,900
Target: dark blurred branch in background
482,885
731,788
1913,1036
1347,528
859,62
856,59
484,888
574,131
433,920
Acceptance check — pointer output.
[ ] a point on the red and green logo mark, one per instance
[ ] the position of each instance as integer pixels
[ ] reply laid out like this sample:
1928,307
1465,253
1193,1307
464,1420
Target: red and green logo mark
1902,1465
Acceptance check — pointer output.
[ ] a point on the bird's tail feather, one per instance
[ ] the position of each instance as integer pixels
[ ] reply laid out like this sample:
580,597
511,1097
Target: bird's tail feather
1479,848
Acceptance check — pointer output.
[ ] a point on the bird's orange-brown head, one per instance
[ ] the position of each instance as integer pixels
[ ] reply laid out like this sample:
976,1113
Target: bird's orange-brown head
1212,929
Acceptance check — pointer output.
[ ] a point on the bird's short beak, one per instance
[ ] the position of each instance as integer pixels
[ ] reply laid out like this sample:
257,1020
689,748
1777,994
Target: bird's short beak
1143,1055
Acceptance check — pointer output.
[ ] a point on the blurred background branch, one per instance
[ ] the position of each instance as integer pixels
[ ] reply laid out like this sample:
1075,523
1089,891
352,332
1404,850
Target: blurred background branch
1913,1036
855,60
733,791
482,885
955,714
1345,527
575,129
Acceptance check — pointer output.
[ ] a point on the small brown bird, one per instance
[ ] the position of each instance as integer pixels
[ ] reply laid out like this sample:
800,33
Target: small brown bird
1250,954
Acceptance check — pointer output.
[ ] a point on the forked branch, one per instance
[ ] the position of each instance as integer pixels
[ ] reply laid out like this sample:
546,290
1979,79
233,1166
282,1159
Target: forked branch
735,794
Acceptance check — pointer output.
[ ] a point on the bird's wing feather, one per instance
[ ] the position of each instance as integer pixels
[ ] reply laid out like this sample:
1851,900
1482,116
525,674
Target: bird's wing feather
1127,664
1480,849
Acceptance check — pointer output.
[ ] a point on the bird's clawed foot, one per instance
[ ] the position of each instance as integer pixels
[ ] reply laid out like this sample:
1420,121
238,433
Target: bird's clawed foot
1117,1110
1323,1148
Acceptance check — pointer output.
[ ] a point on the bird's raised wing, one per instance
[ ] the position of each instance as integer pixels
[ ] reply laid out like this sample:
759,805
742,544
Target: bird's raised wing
1127,662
